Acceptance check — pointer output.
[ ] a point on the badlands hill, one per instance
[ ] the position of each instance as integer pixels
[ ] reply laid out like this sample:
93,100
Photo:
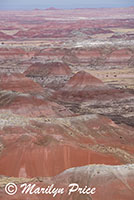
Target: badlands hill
85,87
55,68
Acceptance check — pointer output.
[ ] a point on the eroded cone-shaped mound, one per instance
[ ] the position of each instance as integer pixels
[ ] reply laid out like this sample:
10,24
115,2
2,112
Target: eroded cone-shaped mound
83,79
85,87
55,68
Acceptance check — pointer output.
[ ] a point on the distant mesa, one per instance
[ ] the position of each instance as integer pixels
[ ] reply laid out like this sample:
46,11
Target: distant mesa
52,8
55,68
36,9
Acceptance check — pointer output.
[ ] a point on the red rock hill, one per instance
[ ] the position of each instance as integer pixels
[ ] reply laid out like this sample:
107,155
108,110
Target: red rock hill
85,87
83,79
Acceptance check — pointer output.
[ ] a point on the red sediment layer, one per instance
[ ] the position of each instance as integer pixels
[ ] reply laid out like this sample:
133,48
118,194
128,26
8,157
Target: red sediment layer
88,53
36,161
122,55
35,107
36,149
19,83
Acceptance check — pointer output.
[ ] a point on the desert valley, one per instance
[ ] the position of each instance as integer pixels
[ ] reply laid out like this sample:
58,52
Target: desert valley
67,101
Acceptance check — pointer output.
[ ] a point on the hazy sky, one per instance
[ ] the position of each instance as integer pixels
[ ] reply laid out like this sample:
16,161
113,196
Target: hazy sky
31,4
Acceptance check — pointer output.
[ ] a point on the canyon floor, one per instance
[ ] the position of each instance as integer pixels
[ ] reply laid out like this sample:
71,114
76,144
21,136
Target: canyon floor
67,101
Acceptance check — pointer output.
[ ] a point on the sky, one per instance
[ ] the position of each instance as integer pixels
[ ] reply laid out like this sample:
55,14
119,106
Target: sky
66,4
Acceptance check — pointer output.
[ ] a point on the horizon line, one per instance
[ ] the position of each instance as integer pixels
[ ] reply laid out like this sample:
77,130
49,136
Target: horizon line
58,8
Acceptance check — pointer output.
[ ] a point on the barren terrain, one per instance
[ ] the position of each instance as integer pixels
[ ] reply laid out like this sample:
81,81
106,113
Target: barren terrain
67,101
